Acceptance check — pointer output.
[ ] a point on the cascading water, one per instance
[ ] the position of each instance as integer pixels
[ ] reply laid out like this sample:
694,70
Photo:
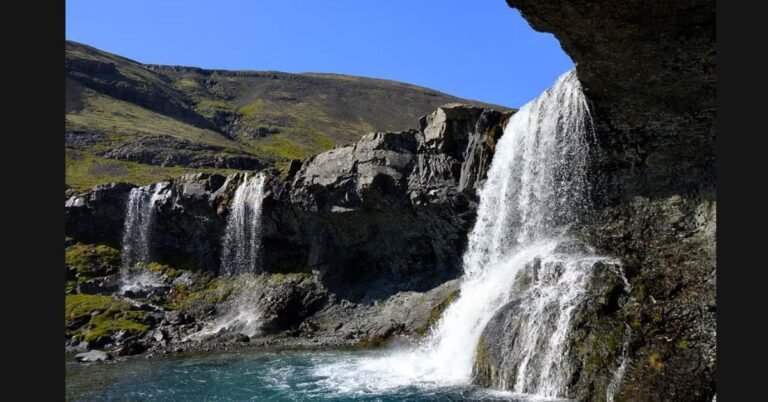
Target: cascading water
536,185
239,256
242,237
139,216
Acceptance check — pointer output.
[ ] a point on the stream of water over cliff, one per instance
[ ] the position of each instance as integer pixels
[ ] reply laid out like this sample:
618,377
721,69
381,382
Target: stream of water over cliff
137,231
242,236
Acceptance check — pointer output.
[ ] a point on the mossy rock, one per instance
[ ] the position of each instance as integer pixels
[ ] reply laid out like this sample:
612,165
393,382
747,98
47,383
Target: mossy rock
90,261
206,290
97,319
163,269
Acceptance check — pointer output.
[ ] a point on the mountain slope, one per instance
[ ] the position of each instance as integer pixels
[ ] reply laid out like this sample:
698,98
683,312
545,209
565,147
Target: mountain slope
140,123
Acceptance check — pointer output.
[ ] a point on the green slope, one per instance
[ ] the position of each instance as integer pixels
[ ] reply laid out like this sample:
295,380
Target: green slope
151,121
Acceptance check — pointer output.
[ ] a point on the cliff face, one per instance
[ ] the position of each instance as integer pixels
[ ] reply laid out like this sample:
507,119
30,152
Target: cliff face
386,214
648,71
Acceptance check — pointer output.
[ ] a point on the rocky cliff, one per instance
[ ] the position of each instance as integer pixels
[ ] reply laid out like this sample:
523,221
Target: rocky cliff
376,224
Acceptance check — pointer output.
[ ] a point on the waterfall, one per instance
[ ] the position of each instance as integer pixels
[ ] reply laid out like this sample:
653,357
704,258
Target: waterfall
536,186
239,256
242,236
139,216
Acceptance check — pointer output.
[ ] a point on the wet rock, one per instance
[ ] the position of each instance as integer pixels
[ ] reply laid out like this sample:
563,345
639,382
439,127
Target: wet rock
104,285
131,348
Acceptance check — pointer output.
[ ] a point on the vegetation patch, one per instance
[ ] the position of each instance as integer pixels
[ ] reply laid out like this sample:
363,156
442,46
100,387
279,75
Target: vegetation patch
84,170
89,261
283,147
276,279
96,319
162,269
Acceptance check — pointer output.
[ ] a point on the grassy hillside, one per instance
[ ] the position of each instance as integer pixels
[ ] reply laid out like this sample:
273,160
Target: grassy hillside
140,123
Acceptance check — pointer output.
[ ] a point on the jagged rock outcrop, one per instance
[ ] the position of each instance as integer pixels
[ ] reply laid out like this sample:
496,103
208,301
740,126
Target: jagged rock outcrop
388,213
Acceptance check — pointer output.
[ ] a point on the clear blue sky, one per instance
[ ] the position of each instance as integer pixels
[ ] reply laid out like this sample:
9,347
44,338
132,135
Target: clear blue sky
477,49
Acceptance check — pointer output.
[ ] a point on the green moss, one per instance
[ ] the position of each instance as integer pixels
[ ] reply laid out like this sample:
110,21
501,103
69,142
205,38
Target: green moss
654,360
682,344
105,326
323,142
635,324
88,260
481,353
163,269
101,317
206,289
484,371
279,278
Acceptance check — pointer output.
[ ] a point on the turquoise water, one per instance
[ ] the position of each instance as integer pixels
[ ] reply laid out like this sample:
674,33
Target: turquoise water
255,376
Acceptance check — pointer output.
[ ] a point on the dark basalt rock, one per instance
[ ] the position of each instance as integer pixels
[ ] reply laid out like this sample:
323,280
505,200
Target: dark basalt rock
388,213
649,71
98,215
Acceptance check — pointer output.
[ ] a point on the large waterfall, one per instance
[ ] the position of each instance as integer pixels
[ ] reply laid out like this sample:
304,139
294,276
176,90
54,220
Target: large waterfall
242,237
536,185
139,215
